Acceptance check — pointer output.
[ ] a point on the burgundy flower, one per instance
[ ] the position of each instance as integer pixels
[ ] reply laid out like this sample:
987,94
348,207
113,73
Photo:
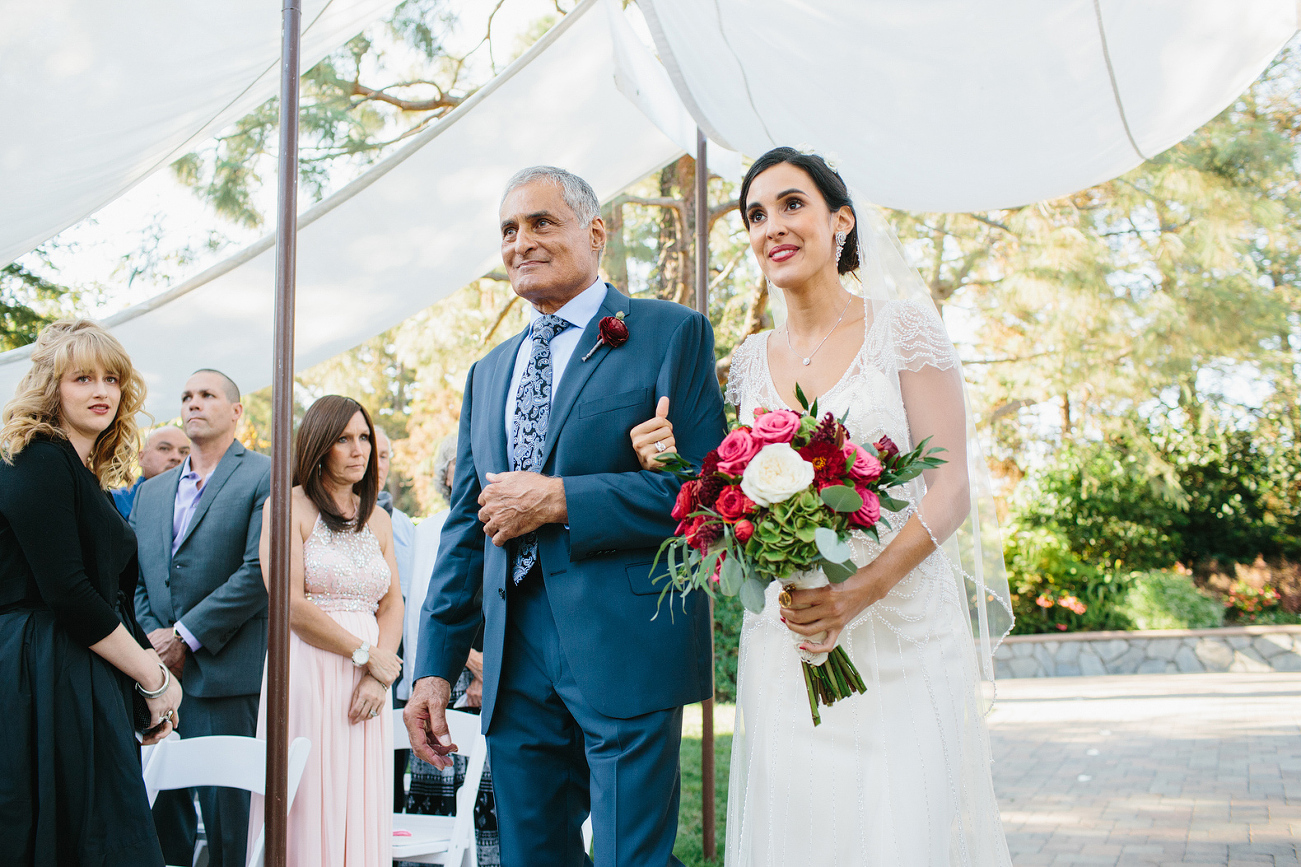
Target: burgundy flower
829,431
613,333
828,463
703,533
778,426
736,450
732,504
709,465
743,530
886,447
871,511
687,501
865,467
710,488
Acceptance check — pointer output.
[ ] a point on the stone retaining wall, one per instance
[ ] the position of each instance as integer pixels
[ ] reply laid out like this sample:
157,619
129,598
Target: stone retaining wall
1243,648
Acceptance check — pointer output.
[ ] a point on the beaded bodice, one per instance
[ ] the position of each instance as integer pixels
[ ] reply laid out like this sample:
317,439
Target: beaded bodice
344,571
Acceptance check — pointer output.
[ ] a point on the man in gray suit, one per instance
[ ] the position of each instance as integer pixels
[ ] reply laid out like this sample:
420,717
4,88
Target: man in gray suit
203,603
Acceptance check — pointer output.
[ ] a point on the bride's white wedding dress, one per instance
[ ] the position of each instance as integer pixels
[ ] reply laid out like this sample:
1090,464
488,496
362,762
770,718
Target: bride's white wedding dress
900,775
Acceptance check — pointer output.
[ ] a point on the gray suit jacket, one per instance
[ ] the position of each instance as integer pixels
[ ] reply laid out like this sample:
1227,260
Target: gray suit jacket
214,583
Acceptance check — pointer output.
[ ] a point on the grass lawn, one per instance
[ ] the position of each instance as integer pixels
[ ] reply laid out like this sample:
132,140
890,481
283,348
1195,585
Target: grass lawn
690,847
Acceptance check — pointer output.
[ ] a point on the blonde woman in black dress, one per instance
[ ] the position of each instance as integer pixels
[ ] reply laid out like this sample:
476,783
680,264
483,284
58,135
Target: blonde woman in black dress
71,653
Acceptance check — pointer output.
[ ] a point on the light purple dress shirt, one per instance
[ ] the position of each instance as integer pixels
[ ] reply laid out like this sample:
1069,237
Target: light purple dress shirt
187,500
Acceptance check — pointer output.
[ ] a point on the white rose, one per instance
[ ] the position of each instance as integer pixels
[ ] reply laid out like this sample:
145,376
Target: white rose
776,474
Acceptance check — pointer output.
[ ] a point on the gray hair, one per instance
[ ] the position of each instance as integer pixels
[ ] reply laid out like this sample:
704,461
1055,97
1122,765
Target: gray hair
445,455
577,193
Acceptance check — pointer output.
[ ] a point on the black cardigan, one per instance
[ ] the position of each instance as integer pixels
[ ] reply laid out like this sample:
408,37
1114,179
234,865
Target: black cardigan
63,545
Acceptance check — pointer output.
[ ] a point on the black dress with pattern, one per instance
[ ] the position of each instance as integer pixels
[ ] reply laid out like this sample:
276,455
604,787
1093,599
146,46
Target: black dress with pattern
70,786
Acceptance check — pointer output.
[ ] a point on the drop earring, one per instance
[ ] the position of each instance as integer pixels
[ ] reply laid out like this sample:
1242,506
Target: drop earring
840,246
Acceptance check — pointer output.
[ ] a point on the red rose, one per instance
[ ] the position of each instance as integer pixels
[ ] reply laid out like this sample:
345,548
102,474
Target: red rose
828,463
871,511
743,530
865,467
687,501
736,450
778,426
614,331
732,504
886,448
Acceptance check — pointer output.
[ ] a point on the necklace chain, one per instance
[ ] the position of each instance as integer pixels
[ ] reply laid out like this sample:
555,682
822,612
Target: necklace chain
824,340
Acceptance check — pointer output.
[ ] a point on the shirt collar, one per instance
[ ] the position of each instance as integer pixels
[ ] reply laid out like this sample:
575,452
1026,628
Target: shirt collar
186,472
579,310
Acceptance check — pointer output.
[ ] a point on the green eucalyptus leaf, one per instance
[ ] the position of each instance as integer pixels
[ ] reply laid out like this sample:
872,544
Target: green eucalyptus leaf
752,595
830,545
708,563
732,577
842,498
838,572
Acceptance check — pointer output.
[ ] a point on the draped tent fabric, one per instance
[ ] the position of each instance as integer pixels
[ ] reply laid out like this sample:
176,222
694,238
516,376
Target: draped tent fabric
951,105
101,95
416,227
943,105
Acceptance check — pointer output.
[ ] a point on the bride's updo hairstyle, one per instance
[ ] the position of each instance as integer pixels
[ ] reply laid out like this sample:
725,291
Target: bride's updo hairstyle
829,184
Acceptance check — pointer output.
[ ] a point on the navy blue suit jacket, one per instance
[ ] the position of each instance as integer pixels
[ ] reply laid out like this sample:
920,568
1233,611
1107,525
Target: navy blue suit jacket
626,661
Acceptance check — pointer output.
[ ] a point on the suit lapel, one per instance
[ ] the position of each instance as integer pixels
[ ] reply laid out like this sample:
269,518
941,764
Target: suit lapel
578,371
501,380
211,488
162,534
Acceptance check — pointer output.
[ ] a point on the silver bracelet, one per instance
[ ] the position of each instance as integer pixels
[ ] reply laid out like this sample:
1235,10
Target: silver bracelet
155,693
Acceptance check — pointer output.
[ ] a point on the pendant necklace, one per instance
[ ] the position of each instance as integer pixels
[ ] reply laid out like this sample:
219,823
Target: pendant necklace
824,340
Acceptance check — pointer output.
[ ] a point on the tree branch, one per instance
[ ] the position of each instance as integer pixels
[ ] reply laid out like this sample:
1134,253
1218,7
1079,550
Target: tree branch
441,101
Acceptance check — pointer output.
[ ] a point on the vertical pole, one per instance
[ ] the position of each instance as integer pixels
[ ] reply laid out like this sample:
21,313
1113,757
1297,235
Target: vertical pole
707,819
282,397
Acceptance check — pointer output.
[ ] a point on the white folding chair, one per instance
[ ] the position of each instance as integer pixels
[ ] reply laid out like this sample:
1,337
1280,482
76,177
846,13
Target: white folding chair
447,840
450,840
220,760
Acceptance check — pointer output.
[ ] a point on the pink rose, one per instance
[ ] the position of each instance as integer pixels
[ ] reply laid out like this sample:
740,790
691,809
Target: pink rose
736,450
865,467
732,504
778,426
871,511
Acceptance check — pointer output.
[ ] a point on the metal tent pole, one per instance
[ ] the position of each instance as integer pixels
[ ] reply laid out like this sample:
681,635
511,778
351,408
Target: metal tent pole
282,397
707,819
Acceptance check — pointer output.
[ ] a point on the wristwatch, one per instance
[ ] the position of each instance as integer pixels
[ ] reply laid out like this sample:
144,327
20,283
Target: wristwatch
176,634
361,655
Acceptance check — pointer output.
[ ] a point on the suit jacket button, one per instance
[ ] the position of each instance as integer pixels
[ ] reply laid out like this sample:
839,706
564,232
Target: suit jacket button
501,591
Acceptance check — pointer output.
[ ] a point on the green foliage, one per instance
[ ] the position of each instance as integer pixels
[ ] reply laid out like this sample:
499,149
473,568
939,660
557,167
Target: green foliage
1050,584
728,616
689,847
1165,600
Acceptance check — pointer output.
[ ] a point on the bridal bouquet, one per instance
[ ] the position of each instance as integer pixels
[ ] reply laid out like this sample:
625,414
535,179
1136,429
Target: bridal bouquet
776,502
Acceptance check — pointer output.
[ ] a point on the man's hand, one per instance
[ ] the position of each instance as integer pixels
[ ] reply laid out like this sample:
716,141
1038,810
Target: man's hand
517,503
170,651
474,693
426,720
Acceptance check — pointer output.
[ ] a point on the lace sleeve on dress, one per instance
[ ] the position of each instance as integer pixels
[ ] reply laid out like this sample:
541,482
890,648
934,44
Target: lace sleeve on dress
918,337
740,370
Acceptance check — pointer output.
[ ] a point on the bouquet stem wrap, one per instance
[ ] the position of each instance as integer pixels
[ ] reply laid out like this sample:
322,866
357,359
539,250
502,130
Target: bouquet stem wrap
828,677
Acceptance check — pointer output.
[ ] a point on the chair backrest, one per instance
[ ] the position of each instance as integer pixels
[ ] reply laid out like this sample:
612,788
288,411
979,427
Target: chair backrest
220,760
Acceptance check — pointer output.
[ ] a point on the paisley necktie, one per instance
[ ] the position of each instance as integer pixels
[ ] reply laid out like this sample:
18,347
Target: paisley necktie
529,429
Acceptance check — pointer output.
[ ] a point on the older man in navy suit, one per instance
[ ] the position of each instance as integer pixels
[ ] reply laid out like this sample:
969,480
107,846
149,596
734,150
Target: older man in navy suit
555,527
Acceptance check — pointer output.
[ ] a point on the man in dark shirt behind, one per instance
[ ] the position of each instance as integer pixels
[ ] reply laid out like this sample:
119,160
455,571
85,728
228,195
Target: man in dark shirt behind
165,448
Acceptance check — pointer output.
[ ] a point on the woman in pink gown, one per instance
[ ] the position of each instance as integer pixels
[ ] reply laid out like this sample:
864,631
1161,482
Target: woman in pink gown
346,619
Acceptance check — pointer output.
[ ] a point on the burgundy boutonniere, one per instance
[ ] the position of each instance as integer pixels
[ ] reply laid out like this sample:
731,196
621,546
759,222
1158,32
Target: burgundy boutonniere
613,333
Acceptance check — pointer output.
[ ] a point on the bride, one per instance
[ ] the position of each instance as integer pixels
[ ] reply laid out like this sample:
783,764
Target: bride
901,774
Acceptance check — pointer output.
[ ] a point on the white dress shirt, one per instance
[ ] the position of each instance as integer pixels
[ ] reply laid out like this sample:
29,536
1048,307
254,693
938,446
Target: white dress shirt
578,311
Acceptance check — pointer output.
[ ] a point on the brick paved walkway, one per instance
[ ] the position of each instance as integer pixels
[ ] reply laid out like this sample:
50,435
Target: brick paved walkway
1184,769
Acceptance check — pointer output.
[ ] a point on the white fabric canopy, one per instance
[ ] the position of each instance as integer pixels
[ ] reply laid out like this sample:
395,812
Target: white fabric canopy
948,105
955,105
101,95
418,226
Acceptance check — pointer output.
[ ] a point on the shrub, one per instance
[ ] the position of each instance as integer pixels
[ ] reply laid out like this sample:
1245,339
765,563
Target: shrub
1055,591
1165,600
